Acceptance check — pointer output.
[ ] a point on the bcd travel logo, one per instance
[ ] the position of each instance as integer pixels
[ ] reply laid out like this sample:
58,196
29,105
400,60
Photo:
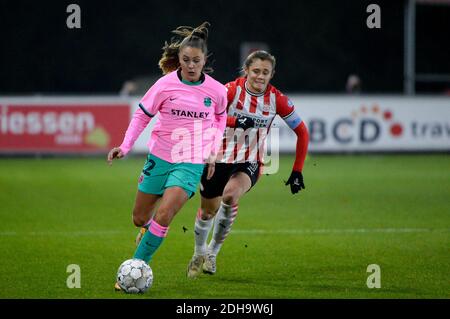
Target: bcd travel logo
365,125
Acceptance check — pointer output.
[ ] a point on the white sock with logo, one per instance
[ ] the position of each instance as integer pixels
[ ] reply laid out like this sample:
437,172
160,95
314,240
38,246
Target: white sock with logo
222,226
201,232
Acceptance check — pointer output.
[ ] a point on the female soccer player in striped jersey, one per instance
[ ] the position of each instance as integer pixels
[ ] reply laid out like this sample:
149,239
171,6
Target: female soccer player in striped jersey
252,102
190,104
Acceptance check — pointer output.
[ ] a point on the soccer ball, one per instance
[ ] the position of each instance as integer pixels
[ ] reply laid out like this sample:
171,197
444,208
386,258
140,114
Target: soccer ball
135,276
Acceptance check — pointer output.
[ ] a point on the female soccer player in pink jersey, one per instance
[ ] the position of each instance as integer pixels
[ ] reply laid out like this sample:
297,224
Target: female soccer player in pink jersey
191,120
252,102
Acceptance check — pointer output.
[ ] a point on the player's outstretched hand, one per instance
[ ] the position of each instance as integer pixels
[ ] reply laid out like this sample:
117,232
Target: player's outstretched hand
211,162
211,170
244,122
296,182
116,152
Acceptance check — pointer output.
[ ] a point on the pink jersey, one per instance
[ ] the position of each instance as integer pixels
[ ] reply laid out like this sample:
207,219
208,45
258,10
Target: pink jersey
190,122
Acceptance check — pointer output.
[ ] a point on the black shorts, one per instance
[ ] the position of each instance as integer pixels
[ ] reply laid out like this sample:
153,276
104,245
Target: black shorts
222,174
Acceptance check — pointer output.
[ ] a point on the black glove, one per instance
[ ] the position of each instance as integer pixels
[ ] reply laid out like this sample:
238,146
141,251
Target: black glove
296,182
244,122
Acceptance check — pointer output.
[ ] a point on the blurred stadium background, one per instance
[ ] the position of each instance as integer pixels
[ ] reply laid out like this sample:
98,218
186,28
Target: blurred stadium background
376,102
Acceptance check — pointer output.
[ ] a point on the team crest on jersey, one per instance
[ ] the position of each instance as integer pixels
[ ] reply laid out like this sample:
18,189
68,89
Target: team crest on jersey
266,108
207,101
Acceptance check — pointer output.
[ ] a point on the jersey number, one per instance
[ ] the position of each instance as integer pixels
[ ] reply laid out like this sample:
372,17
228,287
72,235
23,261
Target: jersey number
147,170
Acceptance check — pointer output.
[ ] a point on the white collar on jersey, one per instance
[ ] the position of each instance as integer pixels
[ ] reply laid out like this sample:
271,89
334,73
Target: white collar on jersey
252,93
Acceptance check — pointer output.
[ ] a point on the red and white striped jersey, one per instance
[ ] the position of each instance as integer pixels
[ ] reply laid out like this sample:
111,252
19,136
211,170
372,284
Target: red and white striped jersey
262,108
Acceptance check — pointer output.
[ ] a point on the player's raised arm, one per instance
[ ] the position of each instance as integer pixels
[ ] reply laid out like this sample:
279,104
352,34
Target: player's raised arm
148,107
138,123
286,110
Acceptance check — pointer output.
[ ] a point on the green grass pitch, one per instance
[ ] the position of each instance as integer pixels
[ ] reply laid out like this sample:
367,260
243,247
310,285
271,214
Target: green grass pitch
393,211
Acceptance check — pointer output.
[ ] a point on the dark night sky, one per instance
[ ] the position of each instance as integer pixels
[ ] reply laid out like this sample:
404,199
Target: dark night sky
317,43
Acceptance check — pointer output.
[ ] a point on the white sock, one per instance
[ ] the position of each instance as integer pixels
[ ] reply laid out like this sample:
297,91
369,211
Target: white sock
222,225
201,232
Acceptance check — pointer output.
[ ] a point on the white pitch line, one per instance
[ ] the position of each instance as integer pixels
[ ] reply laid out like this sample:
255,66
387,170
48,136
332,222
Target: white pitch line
64,233
242,232
338,231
